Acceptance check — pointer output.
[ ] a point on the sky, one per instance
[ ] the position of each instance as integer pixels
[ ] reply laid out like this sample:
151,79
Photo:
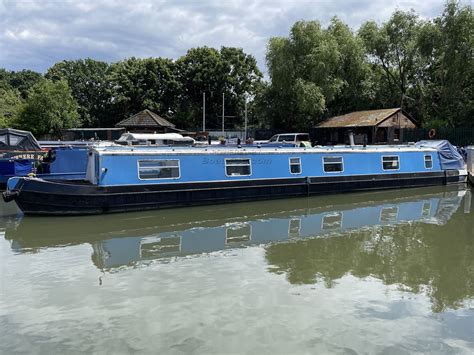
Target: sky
35,34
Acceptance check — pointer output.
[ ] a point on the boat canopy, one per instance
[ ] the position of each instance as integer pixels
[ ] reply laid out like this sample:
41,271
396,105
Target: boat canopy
157,138
448,154
16,140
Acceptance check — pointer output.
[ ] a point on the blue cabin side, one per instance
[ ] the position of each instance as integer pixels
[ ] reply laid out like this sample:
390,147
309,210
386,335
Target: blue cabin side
115,167
70,163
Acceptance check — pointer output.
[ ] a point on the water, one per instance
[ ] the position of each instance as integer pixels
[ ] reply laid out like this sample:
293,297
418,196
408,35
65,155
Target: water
381,272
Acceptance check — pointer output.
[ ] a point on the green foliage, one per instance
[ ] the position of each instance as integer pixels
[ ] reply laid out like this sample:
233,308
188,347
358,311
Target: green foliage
446,45
207,70
315,72
22,80
393,47
10,103
49,108
138,84
87,79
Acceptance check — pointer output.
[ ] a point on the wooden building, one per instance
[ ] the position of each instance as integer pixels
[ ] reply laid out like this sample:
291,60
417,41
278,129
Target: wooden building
369,127
147,121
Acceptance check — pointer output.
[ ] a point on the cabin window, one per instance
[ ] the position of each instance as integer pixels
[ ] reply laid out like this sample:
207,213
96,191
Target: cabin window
391,163
333,164
158,169
238,167
428,162
295,165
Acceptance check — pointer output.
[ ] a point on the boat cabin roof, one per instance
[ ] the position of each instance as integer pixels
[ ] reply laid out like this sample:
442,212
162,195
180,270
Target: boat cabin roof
222,150
154,136
17,140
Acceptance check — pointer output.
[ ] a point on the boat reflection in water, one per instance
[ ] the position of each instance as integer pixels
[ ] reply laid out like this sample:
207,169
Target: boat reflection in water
120,240
405,240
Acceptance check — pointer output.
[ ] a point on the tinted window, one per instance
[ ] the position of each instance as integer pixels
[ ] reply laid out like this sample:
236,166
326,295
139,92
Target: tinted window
428,162
237,167
286,138
391,163
158,169
295,165
333,164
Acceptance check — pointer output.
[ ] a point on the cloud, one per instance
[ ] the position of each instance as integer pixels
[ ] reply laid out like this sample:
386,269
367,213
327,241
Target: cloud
36,34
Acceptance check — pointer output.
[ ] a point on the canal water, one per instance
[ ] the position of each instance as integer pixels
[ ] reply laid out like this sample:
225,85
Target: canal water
381,272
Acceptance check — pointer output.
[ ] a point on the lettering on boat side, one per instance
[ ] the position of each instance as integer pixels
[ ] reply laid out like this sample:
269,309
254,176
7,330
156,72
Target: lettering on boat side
38,156
255,161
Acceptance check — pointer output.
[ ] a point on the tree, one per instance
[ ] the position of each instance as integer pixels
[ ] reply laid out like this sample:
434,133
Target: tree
229,71
49,108
87,79
10,103
446,46
138,84
21,80
314,72
393,51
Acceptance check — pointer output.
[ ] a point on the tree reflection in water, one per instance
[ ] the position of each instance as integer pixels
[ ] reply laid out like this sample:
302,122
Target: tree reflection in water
436,260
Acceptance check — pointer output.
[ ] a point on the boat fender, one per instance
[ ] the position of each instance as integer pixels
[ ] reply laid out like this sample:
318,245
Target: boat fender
432,133
10,195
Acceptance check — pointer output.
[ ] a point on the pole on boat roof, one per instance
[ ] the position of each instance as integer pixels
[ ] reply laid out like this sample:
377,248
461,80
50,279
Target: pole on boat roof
223,134
245,120
204,112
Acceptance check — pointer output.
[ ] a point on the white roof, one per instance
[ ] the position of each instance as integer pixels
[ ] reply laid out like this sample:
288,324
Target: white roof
217,150
154,136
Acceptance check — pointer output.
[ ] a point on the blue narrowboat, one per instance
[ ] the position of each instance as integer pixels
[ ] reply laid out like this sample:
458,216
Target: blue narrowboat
131,178
19,151
22,155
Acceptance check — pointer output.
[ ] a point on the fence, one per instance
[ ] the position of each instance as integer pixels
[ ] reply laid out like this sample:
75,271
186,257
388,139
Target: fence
460,136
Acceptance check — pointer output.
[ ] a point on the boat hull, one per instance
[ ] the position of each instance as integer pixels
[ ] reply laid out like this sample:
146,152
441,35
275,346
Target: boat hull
40,197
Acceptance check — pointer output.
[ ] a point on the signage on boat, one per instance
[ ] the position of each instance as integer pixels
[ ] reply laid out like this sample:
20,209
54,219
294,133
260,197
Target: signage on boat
22,155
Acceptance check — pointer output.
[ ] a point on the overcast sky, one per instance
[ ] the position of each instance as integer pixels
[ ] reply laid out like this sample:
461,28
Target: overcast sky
36,34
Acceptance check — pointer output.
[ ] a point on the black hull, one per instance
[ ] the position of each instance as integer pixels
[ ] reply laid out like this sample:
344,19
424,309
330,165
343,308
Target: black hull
39,197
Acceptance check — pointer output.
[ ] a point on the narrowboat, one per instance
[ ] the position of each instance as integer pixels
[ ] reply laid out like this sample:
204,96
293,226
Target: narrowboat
19,151
131,178
22,155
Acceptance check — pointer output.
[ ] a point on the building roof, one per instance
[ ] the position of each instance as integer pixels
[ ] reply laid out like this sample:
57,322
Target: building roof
360,118
143,119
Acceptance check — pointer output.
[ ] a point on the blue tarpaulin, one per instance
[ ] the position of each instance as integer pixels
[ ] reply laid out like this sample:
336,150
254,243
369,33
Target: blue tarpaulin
23,167
448,154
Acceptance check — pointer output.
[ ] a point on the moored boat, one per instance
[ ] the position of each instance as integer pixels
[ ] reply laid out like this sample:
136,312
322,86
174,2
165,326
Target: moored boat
22,155
132,178
19,151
